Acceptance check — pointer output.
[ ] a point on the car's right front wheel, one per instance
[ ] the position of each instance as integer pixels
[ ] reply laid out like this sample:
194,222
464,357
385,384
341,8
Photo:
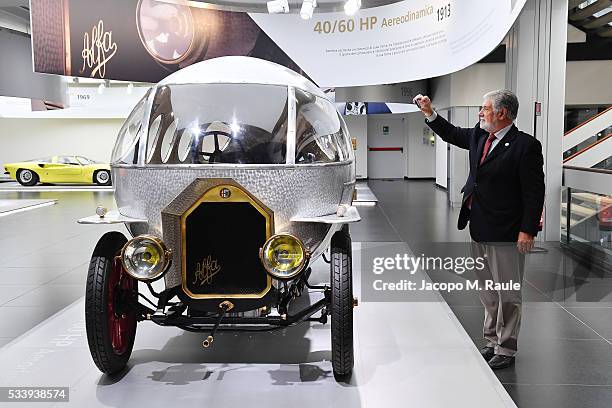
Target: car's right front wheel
27,177
110,315
342,304
102,178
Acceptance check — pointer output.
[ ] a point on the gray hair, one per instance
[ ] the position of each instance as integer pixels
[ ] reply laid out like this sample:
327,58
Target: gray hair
504,98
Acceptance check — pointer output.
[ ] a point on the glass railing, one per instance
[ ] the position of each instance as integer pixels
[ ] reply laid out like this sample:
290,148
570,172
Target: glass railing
586,213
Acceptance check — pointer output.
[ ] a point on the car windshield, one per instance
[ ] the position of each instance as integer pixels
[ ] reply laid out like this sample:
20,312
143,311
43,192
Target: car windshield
231,123
85,161
126,146
218,123
321,135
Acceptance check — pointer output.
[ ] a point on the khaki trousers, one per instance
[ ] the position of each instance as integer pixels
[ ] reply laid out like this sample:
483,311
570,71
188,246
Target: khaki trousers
503,264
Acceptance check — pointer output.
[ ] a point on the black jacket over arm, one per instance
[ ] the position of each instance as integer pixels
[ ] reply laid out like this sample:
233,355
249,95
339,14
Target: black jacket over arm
507,188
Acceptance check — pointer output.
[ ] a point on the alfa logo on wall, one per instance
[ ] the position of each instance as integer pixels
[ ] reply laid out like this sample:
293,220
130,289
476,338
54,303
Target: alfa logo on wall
146,40
140,40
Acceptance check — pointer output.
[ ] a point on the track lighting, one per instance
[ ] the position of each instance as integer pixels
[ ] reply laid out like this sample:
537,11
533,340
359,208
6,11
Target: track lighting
308,7
352,6
278,6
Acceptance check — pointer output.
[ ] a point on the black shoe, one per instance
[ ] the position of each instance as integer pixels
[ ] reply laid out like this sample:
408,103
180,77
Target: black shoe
498,362
487,352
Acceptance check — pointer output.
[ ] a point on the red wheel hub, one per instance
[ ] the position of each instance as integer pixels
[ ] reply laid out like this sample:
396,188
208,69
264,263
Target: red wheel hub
121,320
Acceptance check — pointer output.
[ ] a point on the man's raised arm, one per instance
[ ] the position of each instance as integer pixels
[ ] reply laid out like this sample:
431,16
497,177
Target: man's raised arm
457,136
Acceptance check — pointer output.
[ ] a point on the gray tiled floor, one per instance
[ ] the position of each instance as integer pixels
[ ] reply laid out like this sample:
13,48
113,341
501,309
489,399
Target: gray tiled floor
44,257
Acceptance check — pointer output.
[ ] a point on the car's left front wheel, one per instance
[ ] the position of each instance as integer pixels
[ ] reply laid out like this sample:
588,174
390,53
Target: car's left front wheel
110,315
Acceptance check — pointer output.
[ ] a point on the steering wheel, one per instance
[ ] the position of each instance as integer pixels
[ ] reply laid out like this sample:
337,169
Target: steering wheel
215,155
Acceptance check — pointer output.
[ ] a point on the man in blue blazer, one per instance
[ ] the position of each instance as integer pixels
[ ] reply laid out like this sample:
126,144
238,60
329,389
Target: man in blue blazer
503,199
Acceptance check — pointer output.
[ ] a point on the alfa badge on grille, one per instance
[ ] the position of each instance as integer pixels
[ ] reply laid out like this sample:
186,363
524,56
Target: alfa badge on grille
225,192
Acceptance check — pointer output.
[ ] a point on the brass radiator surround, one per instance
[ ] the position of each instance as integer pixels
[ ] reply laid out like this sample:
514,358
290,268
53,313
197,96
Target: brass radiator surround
174,218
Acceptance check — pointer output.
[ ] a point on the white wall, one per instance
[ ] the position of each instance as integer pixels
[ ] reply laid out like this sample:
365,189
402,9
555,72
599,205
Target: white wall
441,156
418,159
588,83
421,154
23,139
386,164
358,128
466,87
441,92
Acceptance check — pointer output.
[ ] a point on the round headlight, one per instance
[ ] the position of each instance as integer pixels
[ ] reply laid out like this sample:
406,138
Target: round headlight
283,256
145,257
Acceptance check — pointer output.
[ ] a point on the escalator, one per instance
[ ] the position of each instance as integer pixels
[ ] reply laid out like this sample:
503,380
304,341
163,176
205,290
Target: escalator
589,144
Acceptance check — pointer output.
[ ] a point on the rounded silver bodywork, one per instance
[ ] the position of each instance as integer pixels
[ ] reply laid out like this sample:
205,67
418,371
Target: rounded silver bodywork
145,186
305,190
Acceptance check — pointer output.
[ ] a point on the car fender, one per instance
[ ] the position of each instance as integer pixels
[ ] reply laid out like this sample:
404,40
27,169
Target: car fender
92,168
14,167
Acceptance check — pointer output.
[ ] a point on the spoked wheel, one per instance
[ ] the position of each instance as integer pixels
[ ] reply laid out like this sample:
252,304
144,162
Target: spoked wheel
27,177
342,303
102,178
110,315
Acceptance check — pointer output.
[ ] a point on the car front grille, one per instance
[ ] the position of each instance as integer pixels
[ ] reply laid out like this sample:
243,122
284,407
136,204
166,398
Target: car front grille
222,242
215,229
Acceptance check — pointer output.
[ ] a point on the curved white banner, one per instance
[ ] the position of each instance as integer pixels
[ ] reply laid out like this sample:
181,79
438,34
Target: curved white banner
406,41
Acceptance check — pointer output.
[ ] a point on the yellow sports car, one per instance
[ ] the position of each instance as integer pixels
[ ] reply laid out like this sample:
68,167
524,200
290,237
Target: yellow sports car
59,169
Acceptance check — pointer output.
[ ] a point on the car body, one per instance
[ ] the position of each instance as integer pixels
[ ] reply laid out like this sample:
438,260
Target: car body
233,176
59,169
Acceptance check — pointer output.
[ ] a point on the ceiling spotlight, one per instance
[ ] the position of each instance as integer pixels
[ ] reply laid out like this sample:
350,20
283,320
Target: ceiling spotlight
278,6
308,7
351,6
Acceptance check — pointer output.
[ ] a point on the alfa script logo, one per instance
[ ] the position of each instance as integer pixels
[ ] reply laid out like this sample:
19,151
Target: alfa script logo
98,50
205,271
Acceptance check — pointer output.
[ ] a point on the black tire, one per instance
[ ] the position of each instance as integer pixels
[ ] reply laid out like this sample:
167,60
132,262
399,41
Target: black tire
102,178
27,177
342,304
110,352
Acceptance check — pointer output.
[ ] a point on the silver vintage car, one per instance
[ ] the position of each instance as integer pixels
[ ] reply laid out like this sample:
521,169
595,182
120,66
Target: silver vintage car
233,176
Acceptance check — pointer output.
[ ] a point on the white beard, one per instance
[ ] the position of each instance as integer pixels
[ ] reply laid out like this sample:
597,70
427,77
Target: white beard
486,127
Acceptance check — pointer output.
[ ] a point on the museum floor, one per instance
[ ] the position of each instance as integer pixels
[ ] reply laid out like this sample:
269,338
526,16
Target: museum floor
410,351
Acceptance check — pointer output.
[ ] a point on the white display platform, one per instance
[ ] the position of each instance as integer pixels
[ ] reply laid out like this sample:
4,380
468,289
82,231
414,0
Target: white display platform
406,354
39,188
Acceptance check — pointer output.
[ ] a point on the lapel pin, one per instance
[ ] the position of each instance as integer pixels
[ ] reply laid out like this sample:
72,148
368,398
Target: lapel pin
507,144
